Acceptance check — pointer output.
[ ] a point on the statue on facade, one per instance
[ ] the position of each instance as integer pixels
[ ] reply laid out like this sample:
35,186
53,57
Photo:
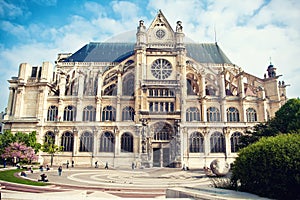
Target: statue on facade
179,26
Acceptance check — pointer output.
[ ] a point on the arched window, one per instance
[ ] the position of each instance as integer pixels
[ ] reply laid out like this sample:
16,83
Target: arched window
128,85
128,114
127,142
233,115
109,113
70,113
86,142
162,131
107,142
190,89
234,141
192,114
213,114
217,143
251,115
210,91
67,141
50,137
196,143
89,114
52,113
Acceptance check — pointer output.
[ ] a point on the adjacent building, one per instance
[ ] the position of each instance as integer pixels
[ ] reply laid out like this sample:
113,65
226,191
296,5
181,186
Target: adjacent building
157,102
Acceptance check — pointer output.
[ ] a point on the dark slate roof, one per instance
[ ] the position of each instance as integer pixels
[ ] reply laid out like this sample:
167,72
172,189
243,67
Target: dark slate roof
116,52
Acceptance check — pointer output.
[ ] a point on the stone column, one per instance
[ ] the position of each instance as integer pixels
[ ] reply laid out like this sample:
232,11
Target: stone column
119,93
10,101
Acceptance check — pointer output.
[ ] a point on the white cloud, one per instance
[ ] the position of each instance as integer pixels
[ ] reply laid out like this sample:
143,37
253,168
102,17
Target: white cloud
10,10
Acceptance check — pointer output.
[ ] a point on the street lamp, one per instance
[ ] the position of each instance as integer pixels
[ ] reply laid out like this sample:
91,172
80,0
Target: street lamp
75,131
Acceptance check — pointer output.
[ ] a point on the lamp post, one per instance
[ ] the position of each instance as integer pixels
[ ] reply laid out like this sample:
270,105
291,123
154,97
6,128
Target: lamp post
177,162
75,131
93,145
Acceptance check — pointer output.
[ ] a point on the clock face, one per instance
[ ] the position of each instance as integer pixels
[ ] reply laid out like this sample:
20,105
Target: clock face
161,69
160,33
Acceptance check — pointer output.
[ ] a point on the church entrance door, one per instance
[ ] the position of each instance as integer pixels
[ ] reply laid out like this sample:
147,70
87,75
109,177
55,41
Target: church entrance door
161,157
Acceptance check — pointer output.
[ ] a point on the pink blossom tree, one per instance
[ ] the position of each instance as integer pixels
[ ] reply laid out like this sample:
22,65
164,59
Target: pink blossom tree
19,151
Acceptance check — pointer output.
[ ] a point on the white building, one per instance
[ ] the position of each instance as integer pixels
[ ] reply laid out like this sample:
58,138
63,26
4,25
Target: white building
158,102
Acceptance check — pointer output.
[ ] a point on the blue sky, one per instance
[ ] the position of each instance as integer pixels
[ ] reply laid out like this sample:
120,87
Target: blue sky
248,31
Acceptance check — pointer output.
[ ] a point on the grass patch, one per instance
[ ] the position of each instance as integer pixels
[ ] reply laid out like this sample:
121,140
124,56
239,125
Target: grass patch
8,175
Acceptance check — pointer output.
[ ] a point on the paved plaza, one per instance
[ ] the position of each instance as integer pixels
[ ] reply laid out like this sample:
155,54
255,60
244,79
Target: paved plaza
95,183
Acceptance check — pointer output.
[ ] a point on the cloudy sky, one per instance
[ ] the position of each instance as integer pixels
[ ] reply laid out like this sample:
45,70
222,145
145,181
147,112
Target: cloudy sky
250,32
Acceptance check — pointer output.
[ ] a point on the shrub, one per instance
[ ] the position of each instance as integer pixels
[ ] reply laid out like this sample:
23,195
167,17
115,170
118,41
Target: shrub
270,167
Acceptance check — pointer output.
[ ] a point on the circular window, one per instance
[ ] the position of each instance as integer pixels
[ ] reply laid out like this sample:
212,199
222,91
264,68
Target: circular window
161,69
160,34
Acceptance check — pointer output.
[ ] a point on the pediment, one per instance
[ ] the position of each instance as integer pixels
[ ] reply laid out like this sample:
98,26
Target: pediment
160,30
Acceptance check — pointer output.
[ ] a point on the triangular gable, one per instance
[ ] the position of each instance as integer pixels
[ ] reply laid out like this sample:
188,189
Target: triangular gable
160,31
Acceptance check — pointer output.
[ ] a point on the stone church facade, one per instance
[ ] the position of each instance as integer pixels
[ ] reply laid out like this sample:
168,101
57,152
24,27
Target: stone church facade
158,102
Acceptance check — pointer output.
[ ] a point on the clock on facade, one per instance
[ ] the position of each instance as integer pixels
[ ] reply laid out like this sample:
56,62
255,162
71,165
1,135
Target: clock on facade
160,33
161,69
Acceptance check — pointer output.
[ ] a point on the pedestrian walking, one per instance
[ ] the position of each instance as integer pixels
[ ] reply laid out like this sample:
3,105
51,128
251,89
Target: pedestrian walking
96,164
72,163
67,164
106,165
132,165
59,170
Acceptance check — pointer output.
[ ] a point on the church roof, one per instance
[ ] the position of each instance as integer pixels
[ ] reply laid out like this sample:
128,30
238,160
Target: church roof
116,52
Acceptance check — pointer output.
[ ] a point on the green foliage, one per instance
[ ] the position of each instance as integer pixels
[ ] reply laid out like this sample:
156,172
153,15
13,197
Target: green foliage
29,140
270,167
286,120
51,148
8,175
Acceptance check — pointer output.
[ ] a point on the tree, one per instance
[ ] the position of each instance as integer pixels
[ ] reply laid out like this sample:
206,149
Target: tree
5,140
269,167
51,148
20,151
28,139
286,120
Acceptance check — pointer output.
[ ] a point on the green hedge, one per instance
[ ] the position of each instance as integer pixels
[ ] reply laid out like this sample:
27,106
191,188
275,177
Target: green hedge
270,167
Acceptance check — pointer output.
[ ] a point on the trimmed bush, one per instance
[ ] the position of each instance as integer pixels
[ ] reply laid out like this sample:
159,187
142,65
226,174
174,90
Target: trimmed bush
270,167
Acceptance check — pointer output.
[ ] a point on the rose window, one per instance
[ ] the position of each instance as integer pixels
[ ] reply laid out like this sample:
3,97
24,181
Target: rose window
161,69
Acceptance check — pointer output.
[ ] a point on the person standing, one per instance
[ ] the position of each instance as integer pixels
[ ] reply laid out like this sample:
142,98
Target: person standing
72,163
67,164
59,170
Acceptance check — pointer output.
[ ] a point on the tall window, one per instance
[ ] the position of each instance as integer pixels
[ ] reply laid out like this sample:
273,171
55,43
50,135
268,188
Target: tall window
213,114
251,115
127,142
128,114
89,114
233,115
86,142
109,113
70,113
128,85
50,137
217,143
234,141
192,114
196,143
107,142
67,141
162,131
52,113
